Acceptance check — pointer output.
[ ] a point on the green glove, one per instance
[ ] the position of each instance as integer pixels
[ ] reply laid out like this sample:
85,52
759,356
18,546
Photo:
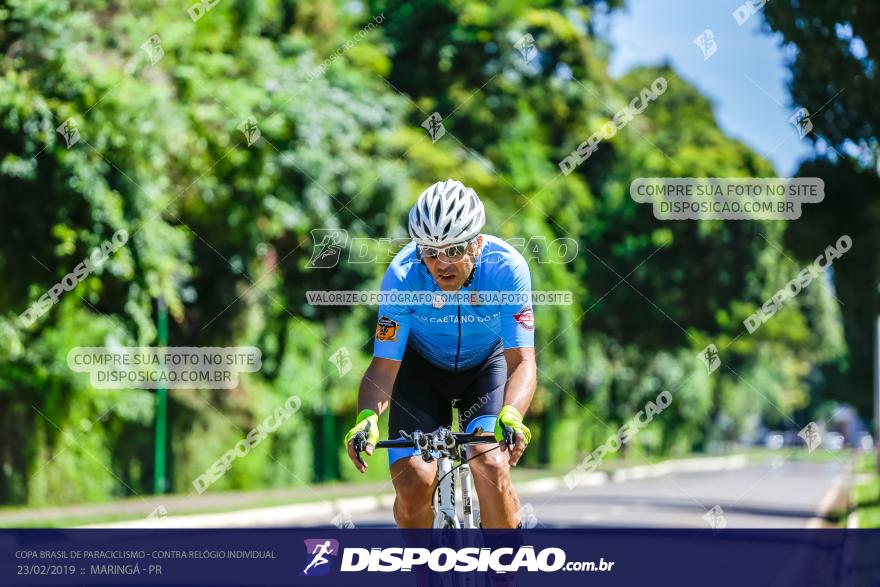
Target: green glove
365,416
510,416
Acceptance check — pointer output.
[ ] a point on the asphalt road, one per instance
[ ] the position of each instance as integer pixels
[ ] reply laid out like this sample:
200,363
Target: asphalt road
775,494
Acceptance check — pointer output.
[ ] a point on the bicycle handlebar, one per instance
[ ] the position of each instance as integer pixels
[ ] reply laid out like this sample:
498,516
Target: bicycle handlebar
460,439
442,438
396,443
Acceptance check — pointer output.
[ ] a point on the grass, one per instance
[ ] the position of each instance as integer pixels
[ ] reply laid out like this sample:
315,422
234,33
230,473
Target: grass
798,453
866,492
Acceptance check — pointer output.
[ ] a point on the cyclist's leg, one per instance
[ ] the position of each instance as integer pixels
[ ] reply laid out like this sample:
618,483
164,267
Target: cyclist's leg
482,400
415,405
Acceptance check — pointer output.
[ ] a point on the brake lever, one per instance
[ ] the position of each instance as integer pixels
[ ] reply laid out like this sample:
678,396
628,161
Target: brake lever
360,442
509,436
358,447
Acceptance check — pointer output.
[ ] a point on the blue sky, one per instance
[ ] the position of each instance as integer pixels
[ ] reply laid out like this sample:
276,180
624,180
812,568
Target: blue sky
746,78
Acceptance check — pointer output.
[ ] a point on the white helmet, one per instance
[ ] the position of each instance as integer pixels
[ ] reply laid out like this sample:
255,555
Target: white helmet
446,213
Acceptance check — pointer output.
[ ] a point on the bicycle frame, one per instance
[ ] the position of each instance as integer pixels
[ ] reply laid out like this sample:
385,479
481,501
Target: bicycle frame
444,499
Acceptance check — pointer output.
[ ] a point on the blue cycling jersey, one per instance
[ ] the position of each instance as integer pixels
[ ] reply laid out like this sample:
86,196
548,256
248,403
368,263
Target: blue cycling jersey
454,335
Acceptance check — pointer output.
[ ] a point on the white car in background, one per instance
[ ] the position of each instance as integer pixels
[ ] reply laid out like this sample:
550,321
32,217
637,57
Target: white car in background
774,440
834,441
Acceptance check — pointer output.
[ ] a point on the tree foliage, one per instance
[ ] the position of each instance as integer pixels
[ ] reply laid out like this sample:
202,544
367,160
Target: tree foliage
833,50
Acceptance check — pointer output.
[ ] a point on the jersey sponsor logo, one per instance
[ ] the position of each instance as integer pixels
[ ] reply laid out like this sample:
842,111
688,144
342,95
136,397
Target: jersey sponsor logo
466,319
525,318
386,329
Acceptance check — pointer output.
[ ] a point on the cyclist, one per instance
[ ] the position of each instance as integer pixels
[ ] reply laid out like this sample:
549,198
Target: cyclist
427,354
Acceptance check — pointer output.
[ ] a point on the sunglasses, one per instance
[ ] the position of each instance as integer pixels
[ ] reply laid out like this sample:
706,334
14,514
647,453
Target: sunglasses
453,252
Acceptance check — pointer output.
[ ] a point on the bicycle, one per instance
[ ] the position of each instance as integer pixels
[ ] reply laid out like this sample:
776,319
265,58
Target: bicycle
449,447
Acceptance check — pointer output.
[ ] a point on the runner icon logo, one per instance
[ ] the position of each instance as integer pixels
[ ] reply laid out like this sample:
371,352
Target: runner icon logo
317,552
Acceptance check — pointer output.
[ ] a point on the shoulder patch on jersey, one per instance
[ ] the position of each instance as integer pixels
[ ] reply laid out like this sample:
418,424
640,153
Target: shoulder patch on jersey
525,318
386,329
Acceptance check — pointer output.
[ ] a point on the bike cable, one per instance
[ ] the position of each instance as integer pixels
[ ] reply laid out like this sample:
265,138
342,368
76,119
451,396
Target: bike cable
440,480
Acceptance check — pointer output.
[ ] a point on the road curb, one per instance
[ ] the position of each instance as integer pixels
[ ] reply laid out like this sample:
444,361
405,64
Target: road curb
324,512
551,484
680,466
263,517
836,497
852,520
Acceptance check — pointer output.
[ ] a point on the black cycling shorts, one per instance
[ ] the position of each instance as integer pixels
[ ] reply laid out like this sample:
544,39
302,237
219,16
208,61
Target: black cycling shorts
422,396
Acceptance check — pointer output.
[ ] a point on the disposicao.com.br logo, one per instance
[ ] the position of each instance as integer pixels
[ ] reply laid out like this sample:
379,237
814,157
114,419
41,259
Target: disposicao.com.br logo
443,559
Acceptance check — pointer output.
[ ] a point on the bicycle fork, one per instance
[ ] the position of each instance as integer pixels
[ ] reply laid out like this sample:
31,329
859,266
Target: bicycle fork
469,506
444,500
445,506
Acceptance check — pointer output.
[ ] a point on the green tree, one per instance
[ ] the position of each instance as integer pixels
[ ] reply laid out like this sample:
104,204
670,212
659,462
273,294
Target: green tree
833,50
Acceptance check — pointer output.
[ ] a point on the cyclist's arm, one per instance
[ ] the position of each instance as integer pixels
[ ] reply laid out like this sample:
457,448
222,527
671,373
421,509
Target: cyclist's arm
518,336
374,394
375,390
520,388
521,377
389,345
